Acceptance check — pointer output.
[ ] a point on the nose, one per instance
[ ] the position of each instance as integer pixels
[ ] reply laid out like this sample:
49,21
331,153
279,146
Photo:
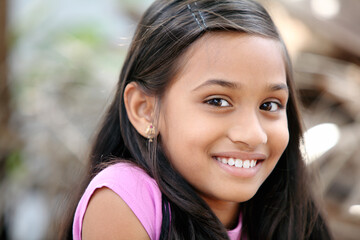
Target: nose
248,130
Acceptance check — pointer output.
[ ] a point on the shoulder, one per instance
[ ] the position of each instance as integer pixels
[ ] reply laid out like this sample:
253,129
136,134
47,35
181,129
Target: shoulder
131,192
109,217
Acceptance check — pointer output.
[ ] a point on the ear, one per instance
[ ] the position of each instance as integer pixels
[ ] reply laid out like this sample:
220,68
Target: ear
139,107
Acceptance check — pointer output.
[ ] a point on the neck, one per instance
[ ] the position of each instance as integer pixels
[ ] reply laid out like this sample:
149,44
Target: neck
227,212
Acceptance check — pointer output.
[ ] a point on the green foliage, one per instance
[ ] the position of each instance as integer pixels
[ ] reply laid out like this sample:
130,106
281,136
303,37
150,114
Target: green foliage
14,163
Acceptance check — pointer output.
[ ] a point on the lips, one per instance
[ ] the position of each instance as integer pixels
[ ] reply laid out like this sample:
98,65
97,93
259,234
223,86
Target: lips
239,159
239,164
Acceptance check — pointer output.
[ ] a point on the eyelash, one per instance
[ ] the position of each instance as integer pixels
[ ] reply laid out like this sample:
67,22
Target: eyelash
217,102
278,105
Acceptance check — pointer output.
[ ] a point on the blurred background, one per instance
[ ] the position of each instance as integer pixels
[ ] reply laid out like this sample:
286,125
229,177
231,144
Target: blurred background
59,64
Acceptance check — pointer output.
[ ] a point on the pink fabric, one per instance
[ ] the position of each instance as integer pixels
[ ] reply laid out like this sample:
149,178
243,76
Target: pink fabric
138,190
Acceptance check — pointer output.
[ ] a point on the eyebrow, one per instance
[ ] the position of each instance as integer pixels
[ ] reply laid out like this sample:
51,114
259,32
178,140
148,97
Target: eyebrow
219,82
278,86
233,85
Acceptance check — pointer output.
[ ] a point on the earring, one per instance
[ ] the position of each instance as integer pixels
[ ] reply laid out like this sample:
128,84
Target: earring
150,132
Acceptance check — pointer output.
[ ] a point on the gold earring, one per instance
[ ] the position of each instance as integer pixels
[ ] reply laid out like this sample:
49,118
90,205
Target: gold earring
150,132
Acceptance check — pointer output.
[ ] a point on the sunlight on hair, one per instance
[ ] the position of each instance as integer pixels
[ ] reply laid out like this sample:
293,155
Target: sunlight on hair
325,8
318,140
355,210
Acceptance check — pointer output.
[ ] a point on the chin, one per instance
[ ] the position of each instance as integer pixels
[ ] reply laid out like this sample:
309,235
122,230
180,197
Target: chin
245,197
240,196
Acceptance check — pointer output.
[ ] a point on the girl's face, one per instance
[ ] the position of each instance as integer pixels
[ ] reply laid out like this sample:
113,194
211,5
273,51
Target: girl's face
223,121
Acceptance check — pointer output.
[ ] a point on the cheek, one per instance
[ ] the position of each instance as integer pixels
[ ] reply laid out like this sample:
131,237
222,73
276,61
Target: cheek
183,129
279,137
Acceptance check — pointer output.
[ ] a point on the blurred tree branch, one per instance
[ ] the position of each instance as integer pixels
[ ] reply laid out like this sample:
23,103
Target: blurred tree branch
4,105
8,137
4,88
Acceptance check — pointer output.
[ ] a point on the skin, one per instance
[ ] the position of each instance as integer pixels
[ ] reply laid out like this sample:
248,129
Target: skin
241,114
106,217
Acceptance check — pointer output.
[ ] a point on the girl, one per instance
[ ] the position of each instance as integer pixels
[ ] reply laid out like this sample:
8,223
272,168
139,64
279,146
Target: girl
202,138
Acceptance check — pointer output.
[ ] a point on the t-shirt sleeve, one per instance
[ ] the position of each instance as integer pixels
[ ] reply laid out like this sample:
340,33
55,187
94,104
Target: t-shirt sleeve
138,190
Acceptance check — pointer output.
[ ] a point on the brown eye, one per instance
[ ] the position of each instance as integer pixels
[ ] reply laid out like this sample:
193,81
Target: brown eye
218,102
271,106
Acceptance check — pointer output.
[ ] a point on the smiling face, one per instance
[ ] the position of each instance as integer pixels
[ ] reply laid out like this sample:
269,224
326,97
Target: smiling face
223,121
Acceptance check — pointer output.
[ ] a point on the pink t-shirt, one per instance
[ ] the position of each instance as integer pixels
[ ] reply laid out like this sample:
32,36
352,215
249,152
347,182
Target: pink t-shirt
138,190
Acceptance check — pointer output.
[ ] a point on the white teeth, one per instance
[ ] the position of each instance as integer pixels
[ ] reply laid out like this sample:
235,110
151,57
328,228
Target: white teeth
246,164
231,162
237,162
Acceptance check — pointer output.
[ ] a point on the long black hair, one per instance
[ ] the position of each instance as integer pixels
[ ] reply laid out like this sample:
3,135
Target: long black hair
283,207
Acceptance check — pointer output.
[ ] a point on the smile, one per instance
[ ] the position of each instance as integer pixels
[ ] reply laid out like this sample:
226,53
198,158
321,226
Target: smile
237,162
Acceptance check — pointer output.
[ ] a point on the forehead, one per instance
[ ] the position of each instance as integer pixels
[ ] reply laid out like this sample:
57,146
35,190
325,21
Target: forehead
233,56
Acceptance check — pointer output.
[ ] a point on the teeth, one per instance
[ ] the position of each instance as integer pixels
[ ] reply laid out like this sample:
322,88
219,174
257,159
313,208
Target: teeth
237,162
231,162
246,164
